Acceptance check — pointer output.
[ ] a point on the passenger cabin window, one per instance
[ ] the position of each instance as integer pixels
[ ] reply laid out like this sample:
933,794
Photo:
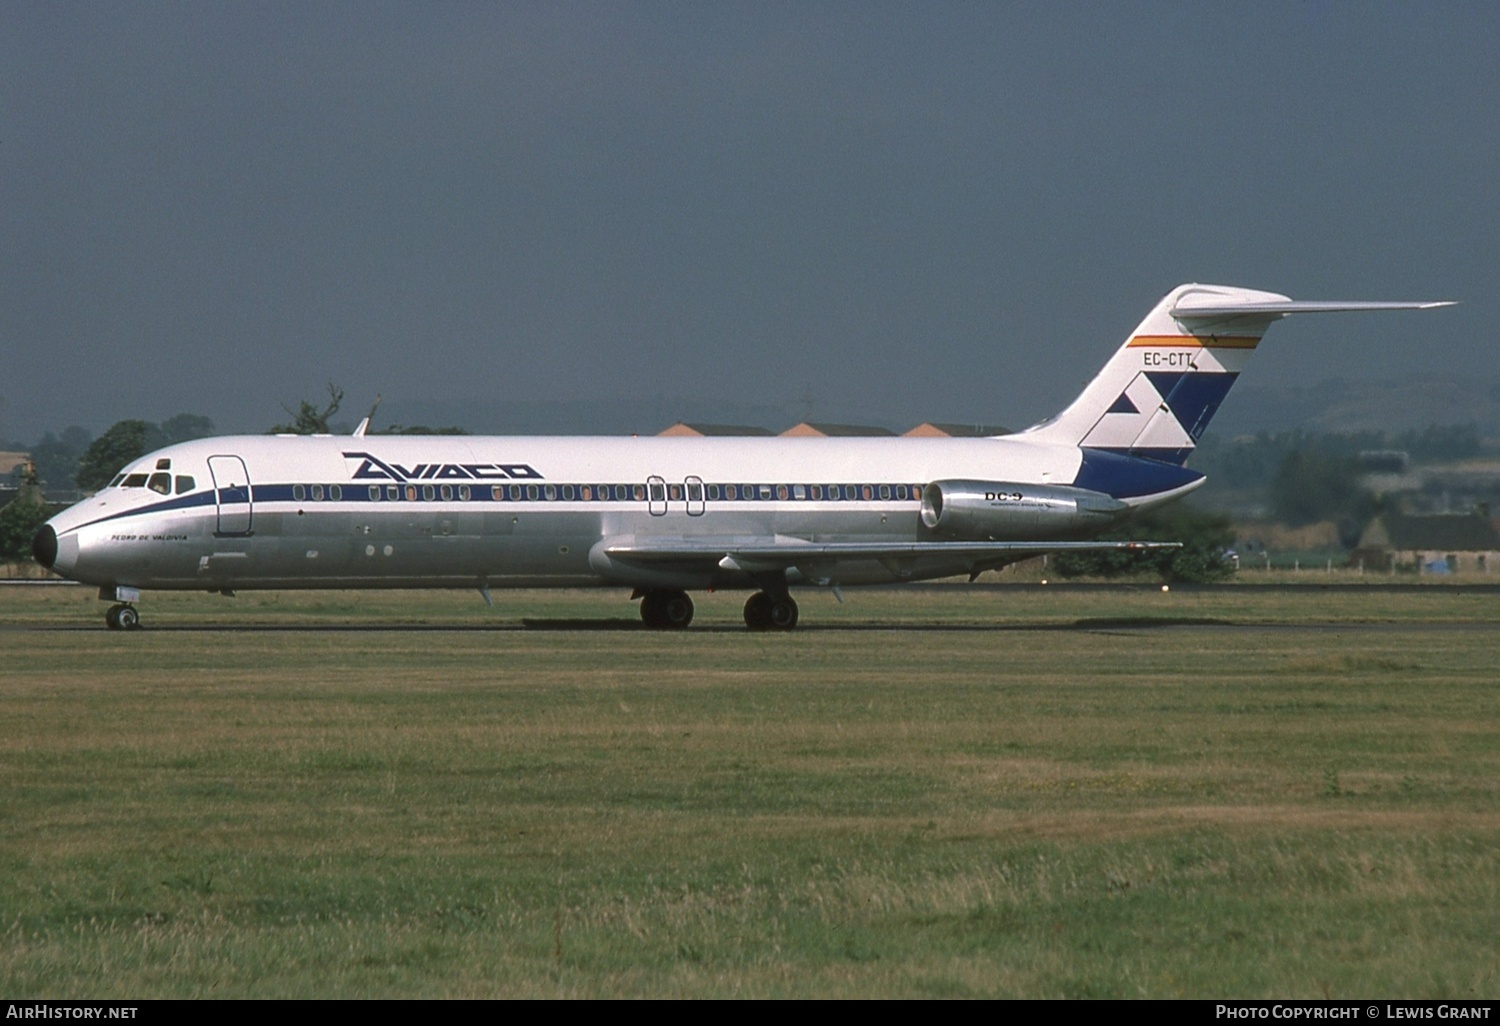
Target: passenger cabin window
134,481
160,483
185,484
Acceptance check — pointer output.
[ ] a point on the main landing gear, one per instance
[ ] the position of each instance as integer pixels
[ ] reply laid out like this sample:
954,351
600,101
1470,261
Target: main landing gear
765,612
673,611
666,610
122,617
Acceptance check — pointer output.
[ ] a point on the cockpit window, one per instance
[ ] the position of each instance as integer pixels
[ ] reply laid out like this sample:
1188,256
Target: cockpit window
164,464
134,481
161,483
185,484
117,480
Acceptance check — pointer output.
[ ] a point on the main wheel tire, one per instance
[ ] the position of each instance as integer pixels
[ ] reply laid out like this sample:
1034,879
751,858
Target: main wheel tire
667,610
112,617
651,613
675,611
758,612
128,618
782,614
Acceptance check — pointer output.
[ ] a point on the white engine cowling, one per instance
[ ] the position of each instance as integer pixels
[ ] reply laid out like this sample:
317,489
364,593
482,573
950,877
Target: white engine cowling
1008,511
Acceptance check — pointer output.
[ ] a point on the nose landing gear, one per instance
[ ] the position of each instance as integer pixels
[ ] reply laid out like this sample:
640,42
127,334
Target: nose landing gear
122,617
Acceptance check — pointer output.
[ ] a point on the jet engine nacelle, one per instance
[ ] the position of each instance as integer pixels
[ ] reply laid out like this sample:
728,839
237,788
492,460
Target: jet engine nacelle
1008,511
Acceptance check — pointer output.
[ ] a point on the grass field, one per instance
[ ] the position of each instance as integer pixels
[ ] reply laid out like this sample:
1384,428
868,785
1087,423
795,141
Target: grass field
942,792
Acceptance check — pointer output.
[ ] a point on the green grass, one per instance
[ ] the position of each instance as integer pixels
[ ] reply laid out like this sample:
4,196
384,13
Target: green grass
1039,794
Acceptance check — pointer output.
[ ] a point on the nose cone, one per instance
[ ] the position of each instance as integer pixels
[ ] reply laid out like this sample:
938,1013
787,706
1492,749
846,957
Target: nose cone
44,546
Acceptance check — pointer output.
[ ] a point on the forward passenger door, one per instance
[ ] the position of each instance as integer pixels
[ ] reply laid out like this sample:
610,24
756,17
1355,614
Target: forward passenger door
232,495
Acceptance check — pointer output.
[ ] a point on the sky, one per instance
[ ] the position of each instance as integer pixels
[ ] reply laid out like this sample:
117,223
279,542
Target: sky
601,216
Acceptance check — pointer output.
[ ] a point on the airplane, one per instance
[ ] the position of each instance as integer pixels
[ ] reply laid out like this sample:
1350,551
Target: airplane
665,516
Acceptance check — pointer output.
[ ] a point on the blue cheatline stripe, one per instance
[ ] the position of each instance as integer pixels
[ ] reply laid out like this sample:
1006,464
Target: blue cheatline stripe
360,493
715,492
180,502
1129,477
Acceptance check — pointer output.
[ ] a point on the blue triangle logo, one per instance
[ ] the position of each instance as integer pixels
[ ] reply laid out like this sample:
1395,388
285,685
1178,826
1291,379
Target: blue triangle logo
1123,405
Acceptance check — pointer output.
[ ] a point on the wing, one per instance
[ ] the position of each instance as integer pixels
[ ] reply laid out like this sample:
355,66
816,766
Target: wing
821,559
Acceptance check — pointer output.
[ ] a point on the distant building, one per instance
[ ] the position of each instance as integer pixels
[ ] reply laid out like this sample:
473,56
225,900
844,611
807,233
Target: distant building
808,429
682,429
12,466
10,462
931,429
1457,541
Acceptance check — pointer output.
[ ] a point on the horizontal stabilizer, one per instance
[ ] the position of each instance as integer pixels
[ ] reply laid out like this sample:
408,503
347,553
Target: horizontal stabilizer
1199,305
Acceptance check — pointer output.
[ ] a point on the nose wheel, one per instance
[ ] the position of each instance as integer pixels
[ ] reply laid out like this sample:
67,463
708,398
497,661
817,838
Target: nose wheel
122,617
767,613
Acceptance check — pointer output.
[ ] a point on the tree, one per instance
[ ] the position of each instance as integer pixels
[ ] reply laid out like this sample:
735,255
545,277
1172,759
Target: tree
1312,486
307,419
124,441
56,457
19,521
1205,538
184,428
420,429
22,516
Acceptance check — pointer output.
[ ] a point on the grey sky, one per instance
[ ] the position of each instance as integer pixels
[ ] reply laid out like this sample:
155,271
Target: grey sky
891,212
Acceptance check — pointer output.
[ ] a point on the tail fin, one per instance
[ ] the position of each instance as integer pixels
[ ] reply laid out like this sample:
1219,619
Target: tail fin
1156,395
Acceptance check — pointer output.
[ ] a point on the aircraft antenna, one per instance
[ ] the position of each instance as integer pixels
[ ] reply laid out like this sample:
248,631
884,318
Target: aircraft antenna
364,425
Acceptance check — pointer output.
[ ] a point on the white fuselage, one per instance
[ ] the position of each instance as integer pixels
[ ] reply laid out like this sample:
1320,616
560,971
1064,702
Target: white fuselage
457,511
